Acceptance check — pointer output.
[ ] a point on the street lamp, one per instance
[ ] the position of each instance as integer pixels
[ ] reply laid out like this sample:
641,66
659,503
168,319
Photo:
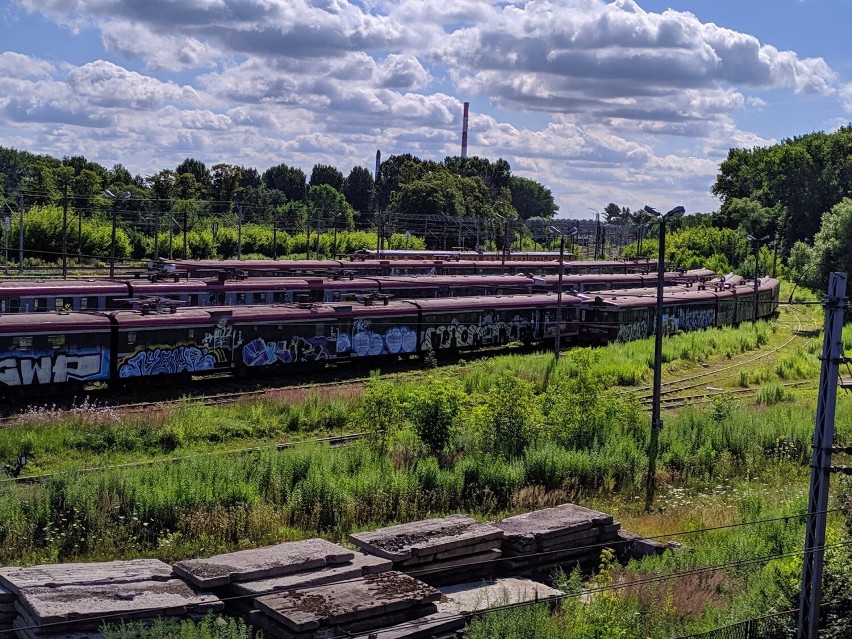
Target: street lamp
756,242
557,346
115,200
656,419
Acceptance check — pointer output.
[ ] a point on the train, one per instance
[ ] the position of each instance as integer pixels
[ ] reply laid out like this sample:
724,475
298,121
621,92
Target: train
19,296
368,265
67,350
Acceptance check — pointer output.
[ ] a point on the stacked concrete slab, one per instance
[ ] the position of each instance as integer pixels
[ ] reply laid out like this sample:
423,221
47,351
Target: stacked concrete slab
563,536
436,550
75,599
367,604
7,609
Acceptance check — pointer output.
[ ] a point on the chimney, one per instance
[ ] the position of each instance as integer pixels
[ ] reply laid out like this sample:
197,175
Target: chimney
464,130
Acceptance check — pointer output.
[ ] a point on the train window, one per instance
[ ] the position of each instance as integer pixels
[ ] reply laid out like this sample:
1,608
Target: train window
22,343
193,299
131,338
279,297
259,298
40,304
4,306
241,298
56,341
190,333
15,305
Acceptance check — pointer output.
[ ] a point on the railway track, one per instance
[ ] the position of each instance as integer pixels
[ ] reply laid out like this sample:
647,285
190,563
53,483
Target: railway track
672,391
332,440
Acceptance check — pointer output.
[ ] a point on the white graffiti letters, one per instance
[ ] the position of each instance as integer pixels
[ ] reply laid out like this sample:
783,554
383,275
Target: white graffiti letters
51,368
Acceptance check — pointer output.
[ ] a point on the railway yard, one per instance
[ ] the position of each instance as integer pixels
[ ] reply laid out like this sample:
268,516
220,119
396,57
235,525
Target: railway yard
461,491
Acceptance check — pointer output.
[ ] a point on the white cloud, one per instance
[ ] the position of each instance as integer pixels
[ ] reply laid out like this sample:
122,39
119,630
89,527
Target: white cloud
597,100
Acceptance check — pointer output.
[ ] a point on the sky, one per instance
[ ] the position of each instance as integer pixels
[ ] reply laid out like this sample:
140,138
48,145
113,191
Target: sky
633,101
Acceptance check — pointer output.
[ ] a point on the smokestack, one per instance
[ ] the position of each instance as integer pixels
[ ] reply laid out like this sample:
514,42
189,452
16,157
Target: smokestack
378,163
464,130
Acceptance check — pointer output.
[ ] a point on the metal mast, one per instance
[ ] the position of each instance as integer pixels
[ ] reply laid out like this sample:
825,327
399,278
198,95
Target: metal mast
832,354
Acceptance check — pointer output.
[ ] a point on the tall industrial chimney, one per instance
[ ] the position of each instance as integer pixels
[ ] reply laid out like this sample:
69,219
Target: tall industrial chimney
464,130
378,164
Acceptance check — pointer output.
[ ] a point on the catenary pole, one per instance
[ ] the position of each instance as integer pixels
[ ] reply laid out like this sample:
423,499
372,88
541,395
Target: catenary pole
823,440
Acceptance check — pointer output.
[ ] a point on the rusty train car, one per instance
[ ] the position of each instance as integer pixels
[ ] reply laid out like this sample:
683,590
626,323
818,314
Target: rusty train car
68,350
100,295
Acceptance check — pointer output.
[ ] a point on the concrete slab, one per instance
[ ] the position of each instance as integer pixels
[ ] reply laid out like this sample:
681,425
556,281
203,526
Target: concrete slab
82,607
559,521
479,597
636,547
14,579
7,596
438,624
361,565
24,631
459,563
336,604
262,563
425,537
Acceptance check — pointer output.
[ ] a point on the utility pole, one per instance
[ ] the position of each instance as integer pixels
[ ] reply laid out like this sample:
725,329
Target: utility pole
239,230
823,441
64,229
20,232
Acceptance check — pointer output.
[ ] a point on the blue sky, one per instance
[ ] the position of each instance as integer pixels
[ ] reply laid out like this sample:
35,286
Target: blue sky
632,102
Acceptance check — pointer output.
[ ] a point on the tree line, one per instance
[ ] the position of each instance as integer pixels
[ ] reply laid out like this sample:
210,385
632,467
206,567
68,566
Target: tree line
192,196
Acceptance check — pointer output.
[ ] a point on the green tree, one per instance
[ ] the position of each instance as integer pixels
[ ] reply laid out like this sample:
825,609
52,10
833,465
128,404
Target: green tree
287,179
380,411
832,247
358,189
326,174
531,199
199,171
434,409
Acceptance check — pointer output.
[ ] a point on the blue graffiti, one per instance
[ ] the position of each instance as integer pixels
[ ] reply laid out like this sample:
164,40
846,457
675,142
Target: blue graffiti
259,352
161,361
367,342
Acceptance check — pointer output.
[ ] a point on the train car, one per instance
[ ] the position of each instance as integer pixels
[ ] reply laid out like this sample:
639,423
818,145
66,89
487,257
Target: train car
624,315
41,296
474,322
207,340
53,350
370,267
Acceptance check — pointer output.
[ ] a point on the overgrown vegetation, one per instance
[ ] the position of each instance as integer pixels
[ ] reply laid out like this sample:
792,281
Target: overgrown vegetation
501,435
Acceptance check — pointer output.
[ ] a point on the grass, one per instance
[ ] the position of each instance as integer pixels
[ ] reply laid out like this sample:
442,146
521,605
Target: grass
530,433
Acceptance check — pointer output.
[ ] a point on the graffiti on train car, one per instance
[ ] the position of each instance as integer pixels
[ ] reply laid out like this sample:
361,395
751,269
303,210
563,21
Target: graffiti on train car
167,361
223,339
367,341
488,331
688,319
259,352
53,368
633,330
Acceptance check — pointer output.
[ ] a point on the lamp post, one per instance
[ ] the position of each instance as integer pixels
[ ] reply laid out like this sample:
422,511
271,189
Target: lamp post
557,346
756,242
115,200
656,419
